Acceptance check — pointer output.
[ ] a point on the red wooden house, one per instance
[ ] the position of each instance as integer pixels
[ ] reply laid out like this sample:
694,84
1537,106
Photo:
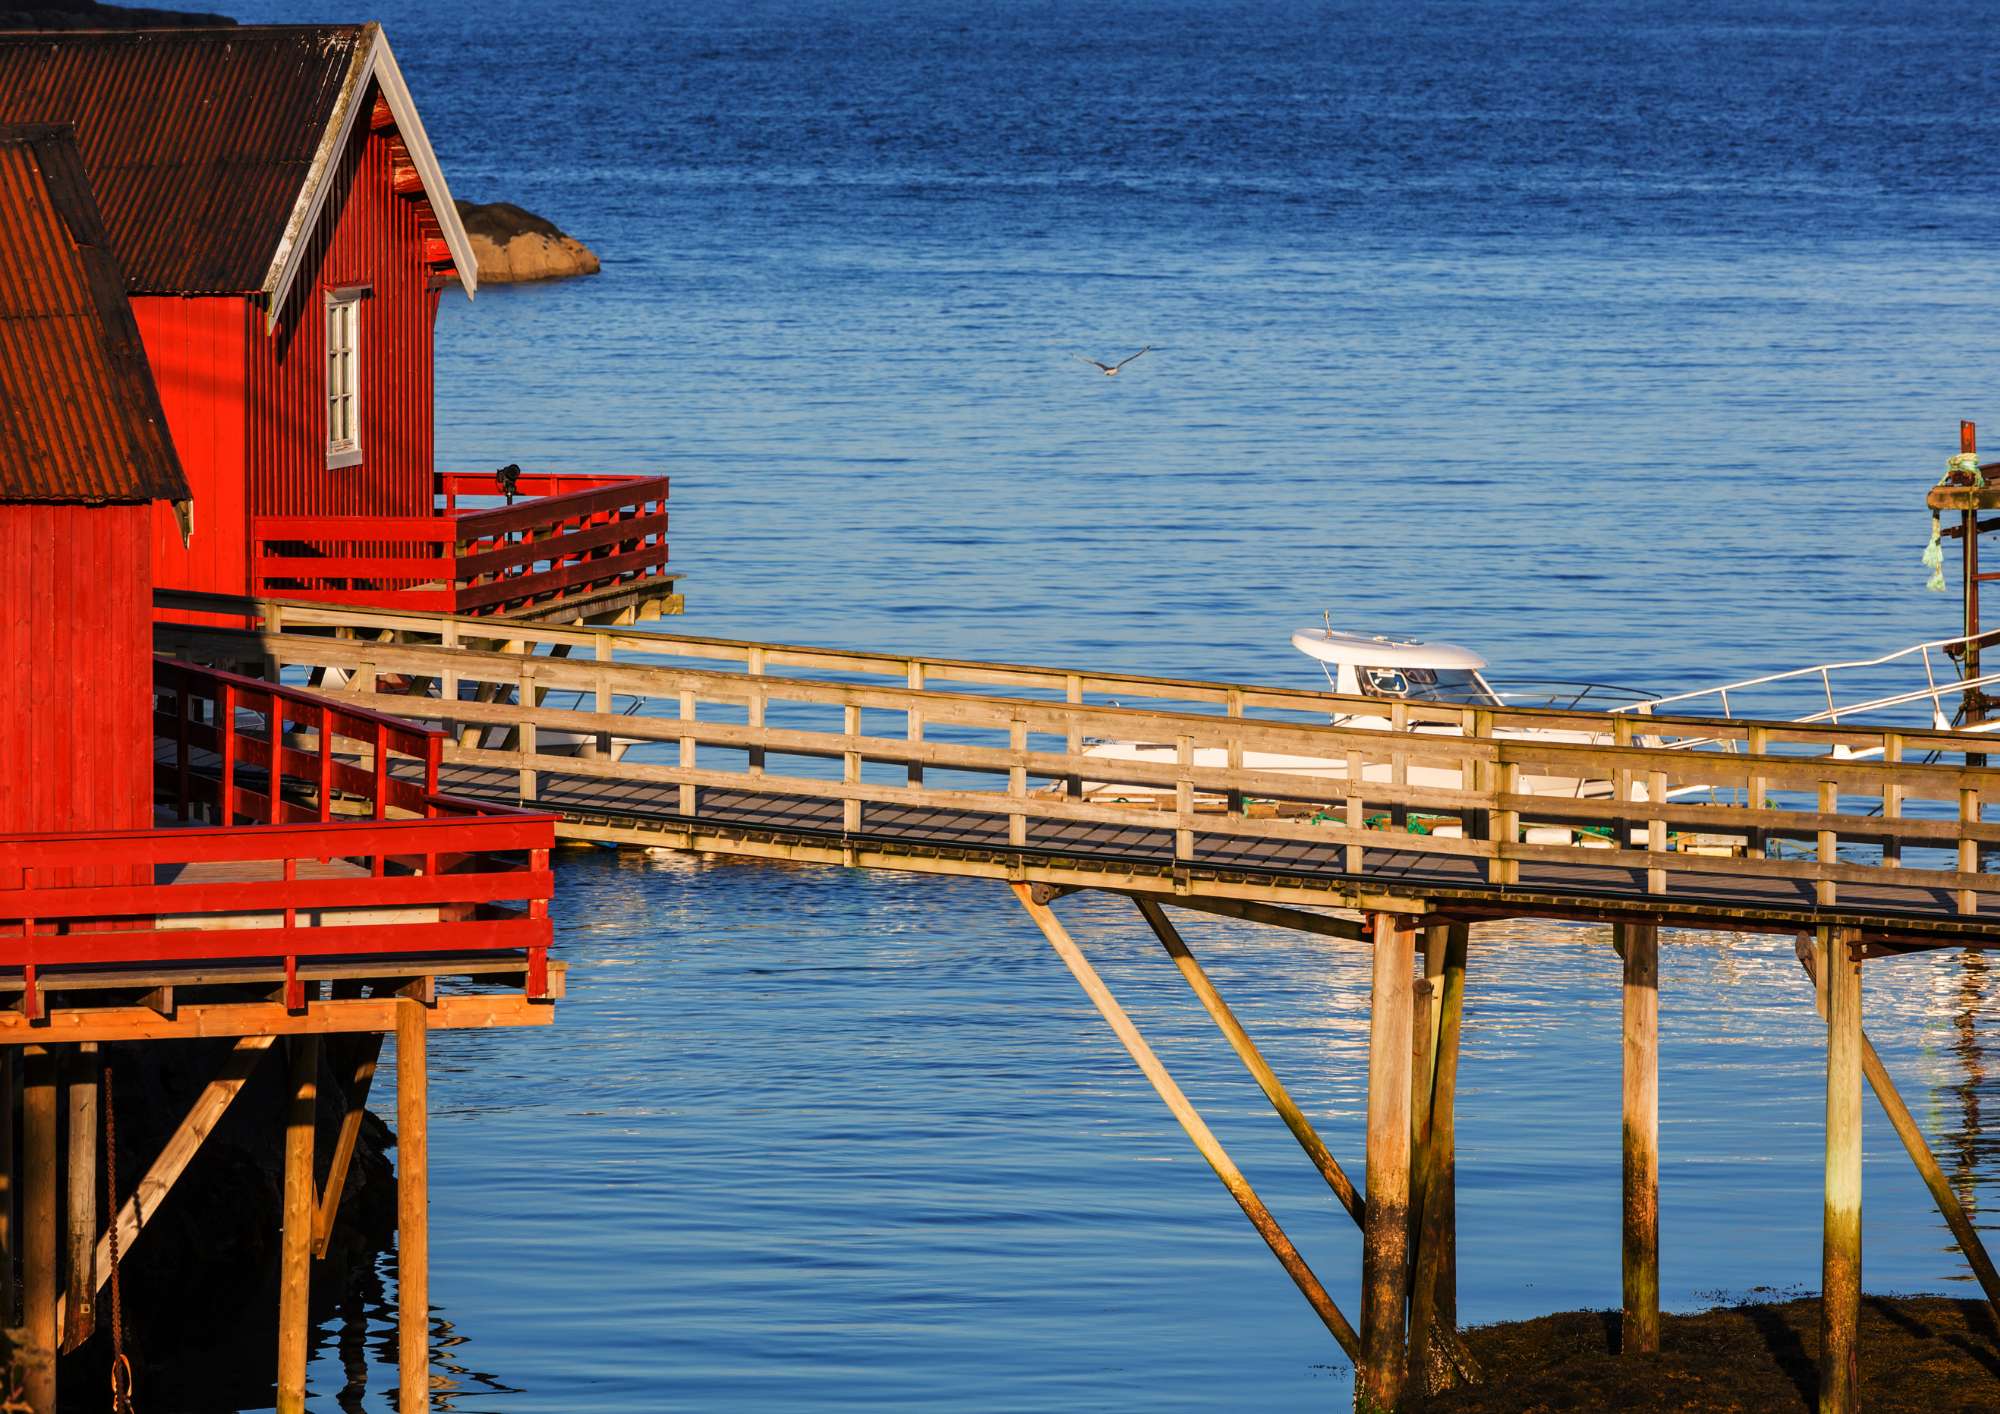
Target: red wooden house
110,757
84,458
286,235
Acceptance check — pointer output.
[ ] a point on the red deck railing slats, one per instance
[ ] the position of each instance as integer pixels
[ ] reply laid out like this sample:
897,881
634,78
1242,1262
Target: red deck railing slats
561,536
453,878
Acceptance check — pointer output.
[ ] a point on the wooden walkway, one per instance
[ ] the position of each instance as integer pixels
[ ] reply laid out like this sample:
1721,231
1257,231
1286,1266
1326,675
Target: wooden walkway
817,754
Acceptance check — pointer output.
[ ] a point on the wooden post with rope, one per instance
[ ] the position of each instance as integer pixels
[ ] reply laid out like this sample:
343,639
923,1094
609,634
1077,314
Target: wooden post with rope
80,1209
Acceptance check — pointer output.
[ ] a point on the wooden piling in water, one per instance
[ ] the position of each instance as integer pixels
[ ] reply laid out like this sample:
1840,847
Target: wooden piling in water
1639,1329
38,1223
1840,1280
1907,1129
413,1212
80,1210
1385,1242
1437,1356
295,1232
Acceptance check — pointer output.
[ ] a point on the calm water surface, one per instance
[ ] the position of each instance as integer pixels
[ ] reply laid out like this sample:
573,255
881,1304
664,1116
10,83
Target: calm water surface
1615,342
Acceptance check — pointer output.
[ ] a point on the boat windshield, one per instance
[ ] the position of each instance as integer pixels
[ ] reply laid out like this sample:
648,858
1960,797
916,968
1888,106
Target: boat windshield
1459,686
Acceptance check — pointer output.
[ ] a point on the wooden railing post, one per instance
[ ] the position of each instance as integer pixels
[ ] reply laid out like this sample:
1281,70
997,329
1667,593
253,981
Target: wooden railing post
1828,851
1757,796
1656,830
754,711
915,679
225,727
1507,828
1073,738
850,773
325,763
686,796
1355,767
1184,800
1892,801
526,743
1017,785
1968,848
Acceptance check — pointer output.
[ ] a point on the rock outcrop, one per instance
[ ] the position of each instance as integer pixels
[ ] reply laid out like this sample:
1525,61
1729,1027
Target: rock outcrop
88,14
513,246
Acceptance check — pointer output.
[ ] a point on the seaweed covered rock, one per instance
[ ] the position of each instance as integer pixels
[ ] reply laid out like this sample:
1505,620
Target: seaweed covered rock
513,246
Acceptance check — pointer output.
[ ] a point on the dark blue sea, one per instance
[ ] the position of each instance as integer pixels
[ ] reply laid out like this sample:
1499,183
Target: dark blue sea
1617,340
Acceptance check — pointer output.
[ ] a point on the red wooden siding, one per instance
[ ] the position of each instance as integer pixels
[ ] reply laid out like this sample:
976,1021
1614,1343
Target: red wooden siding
368,236
198,349
76,639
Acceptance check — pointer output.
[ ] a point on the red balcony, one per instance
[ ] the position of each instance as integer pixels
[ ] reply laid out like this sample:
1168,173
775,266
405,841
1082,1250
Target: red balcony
561,545
328,841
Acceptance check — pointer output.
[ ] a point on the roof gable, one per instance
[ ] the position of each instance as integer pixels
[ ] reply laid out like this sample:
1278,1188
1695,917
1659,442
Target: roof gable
80,418
212,151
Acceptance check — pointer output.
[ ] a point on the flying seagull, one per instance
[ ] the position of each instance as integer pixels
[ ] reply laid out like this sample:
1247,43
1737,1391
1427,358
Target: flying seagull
1110,369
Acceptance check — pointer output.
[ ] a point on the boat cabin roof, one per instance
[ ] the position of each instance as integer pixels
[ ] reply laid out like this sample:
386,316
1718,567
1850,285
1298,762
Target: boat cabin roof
1381,651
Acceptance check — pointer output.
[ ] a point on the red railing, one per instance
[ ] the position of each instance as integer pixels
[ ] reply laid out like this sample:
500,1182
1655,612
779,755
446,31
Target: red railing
560,538
326,871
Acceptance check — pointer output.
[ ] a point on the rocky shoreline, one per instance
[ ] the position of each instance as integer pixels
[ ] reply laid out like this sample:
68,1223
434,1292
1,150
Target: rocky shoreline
514,246
1920,1355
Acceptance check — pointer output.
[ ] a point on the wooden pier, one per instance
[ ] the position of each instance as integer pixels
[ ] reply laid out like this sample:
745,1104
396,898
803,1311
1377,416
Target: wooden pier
1861,843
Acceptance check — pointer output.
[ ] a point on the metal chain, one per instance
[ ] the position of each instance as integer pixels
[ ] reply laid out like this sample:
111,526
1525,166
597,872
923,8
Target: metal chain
121,1368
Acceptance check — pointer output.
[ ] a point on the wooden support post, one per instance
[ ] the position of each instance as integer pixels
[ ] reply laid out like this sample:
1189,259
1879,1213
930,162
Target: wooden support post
1191,1121
38,1222
1907,1130
1385,1242
1840,1279
9,1186
413,1211
1640,1329
367,1051
295,1232
1253,1059
1436,1353
1422,1006
80,1212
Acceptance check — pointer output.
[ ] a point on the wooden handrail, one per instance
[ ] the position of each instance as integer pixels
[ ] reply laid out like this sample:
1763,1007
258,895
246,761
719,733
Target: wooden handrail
1362,786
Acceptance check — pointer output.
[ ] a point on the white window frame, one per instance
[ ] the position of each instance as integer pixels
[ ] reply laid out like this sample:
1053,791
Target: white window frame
343,376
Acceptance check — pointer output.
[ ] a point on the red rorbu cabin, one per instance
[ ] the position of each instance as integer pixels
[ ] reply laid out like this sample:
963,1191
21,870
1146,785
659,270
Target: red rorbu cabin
285,235
154,812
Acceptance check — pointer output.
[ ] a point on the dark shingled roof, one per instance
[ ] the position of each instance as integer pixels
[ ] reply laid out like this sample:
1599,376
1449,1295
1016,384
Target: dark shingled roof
198,142
80,419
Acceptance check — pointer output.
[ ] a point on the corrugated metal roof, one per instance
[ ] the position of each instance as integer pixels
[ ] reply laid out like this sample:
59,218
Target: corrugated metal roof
198,142
80,419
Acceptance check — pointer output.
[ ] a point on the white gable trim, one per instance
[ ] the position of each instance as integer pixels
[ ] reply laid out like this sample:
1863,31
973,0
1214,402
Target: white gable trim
372,61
